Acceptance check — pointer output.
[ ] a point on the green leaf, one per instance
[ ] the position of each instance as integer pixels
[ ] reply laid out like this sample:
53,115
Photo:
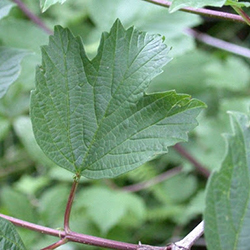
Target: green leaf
237,4
52,205
178,4
45,4
227,213
23,128
5,7
93,117
18,205
232,73
107,207
9,238
5,126
10,60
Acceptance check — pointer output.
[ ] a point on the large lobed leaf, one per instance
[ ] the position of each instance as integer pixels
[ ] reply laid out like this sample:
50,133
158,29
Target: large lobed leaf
93,117
227,213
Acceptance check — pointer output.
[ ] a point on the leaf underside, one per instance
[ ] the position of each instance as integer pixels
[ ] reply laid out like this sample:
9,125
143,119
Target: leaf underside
227,213
93,117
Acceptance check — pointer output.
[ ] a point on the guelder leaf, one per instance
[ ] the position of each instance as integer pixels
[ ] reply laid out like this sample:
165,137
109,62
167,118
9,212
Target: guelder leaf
93,117
227,213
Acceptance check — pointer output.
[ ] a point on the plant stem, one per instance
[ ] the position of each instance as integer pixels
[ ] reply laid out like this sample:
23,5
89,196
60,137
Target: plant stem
69,204
76,237
32,16
202,11
189,240
199,167
242,13
217,43
57,244
157,179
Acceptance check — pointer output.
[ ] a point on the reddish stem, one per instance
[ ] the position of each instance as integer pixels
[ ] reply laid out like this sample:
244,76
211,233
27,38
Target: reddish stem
76,237
202,11
32,16
69,204
57,244
199,167
242,13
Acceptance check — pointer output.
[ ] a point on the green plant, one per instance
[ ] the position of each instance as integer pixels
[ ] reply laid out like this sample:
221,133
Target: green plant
101,114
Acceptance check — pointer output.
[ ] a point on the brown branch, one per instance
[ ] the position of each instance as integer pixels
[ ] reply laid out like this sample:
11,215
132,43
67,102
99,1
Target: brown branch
155,180
218,43
198,166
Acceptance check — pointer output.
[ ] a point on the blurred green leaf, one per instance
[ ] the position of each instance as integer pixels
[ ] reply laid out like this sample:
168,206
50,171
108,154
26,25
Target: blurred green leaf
30,185
232,73
52,205
10,68
227,213
45,4
11,35
9,238
5,7
178,4
93,117
4,127
23,129
18,205
177,189
107,207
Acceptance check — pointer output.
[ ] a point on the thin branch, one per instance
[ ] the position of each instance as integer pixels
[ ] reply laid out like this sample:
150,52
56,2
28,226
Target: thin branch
199,167
217,43
57,244
76,237
202,11
189,240
32,16
157,179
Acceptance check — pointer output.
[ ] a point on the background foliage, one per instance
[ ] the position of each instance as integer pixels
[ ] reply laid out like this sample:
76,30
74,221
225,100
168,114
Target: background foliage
33,189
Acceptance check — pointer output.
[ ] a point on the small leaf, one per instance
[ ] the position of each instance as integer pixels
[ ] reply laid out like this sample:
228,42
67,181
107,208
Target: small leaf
178,4
5,7
107,207
9,238
93,117
227,213
10,60
45,4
